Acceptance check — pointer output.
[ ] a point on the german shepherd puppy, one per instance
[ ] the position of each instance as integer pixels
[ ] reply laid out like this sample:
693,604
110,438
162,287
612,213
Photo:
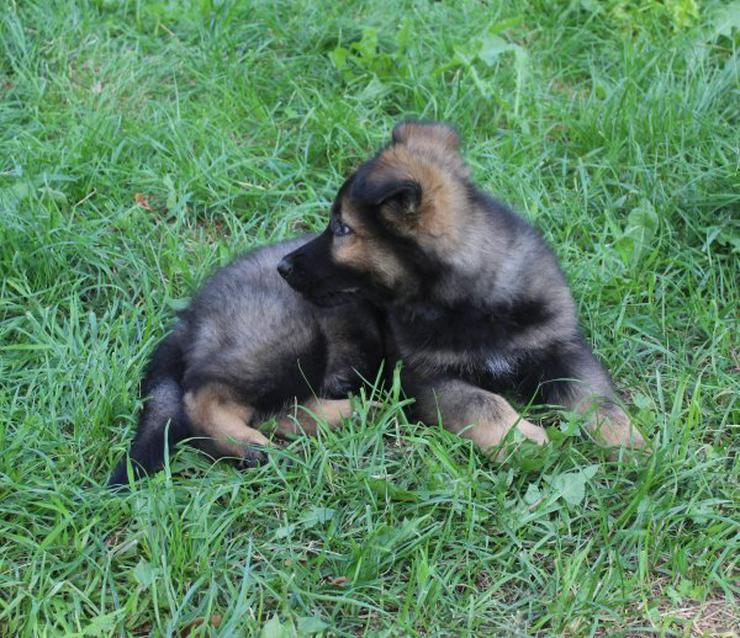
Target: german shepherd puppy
247,350
474,302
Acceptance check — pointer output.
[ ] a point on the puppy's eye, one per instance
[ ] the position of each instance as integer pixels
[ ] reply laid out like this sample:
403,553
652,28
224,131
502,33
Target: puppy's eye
338,228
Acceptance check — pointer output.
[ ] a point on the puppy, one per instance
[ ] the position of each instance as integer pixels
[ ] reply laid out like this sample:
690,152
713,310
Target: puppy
247,351
473,301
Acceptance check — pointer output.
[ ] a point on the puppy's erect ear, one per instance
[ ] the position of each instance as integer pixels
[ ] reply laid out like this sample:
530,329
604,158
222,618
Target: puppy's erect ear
437,134
399,198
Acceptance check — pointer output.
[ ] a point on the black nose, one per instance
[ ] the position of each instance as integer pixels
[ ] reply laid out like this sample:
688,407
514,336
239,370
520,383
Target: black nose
285,267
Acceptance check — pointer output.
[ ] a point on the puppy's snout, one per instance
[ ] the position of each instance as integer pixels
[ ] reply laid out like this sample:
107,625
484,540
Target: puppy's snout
285,267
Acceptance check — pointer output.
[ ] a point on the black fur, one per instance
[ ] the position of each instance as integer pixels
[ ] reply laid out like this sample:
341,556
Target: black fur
162,411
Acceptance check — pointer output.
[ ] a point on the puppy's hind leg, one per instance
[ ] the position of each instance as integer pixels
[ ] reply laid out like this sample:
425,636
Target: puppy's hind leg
223,424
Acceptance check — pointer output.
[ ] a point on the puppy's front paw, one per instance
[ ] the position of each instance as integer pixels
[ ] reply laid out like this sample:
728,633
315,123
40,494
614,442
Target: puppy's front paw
252,456
532,432
611,427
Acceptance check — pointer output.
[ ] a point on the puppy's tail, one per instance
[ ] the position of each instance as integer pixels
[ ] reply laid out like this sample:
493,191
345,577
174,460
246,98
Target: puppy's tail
162,423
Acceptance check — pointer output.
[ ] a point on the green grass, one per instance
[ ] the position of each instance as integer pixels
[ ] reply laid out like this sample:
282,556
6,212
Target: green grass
142,144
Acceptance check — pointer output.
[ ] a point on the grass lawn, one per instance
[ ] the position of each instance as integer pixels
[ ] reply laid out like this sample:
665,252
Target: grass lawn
144,143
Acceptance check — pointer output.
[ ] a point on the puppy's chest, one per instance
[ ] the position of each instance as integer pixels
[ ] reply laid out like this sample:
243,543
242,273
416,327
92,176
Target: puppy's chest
470,346
499,364
489,368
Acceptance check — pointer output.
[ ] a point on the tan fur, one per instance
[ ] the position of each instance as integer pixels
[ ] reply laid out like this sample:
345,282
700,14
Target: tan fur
610,426
489,432
436,134
364,253
215,415
224,422
303,419
435,141
476,414
437,223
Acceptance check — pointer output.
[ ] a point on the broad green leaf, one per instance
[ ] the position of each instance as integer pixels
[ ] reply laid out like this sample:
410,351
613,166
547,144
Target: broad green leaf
367,46
504,25
491,47
374,90
144,573
338,58
532,495
642,224
683,12
317,515
307,625
725,21
273,628
284,531
388,491
589,471
572,485
103,625
726,235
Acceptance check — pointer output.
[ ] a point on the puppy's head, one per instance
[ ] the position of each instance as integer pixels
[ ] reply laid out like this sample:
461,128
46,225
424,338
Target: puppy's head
394,222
